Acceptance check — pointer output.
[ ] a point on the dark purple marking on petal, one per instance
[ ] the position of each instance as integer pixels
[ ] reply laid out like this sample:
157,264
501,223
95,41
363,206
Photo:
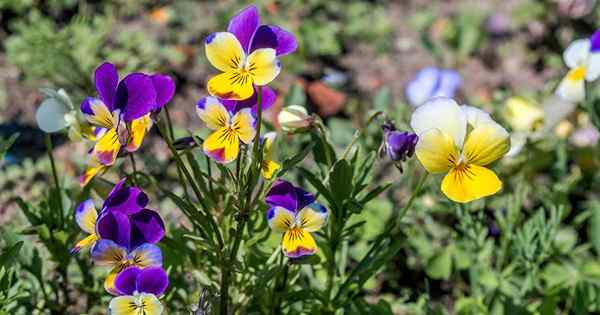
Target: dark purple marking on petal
165,89
86,105
114,226
244,24
286,195
595,42
272,36
135,96
125,199
152,280
126,280
106,78
146,227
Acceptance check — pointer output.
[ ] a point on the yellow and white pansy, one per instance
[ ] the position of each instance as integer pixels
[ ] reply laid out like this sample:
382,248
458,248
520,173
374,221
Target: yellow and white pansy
240,72
583,59
460,141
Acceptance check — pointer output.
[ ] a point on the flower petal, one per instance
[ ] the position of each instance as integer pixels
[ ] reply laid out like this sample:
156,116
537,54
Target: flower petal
286,195
152,280
109,281
93,169
50,116
97,113
244,24
115,226
243,124
212,112
423,86
572,86
268,169
146,255
268,98
146,227
106,78
231,85
224,51
135,96
486,143
313,217
593,67
476,116
577,53
138,130
108,253
263,65
443,114
449,82
436,151
125,199
107,148
222,145
280,219
271,36
125,281
469,183
297,243
90,240
123,305
151,304
165,89
86,215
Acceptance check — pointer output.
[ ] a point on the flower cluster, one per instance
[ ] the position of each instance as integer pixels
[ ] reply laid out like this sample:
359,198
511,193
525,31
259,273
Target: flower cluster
121,113
123,238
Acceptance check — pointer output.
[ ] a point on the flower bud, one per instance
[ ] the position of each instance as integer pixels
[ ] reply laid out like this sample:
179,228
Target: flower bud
294,118
398,145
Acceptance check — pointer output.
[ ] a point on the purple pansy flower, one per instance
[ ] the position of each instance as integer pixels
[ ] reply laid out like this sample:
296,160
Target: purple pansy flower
284,194
397,145
126,221
132,280
432,82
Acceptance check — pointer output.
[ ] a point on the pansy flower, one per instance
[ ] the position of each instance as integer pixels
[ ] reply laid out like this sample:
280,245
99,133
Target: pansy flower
268,98
139,290
397,145
85,216
583,59
460,141
432,82
269,167
246,55
229,129
123,109
107,253
295,213
125,220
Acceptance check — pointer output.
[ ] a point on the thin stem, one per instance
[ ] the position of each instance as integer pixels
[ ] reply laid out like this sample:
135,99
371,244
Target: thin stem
50,149
279,289
358,133
134,167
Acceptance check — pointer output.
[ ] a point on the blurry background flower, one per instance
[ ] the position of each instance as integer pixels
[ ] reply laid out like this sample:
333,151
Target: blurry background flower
432,82
294,118
585,137
523,115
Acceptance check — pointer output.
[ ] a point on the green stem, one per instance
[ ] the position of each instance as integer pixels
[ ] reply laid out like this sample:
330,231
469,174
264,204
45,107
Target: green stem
50,149
358,133
393,221
279,289
134,167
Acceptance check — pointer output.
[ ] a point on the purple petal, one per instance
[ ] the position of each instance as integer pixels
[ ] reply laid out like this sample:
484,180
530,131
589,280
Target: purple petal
271,36
126,280
422,87
86,105
165,89
114,226
135,96
125,199
146,227
244,25
106,79
286,195
448,84
152,280
268,99
595,42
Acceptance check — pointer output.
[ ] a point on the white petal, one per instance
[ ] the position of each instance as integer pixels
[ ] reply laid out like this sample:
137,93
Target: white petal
476,116
577,53
592,71
571,90
444,114
50,116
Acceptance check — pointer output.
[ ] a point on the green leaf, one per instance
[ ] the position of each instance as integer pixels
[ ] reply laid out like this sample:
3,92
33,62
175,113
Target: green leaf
10,254
290,162
594,227
340,182
439,266
318,185
373,193
5,144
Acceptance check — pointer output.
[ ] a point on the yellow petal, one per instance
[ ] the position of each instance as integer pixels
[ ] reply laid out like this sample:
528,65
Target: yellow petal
91,172
101,116
109,281
224,51
107,148
263,65
522,115
436,151
312,217
214,114
269,168
222,145
298,242
150,304
572,87
470,182
243,124
89,241
486,143
123,305
280,219
139,127
231,85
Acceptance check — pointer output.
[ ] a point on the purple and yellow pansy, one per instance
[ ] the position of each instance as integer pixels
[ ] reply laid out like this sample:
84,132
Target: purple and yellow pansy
121,112
295,213
246,55
139,290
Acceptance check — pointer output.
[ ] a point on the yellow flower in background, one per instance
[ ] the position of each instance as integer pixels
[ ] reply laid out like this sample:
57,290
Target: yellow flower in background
460,141
523,115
